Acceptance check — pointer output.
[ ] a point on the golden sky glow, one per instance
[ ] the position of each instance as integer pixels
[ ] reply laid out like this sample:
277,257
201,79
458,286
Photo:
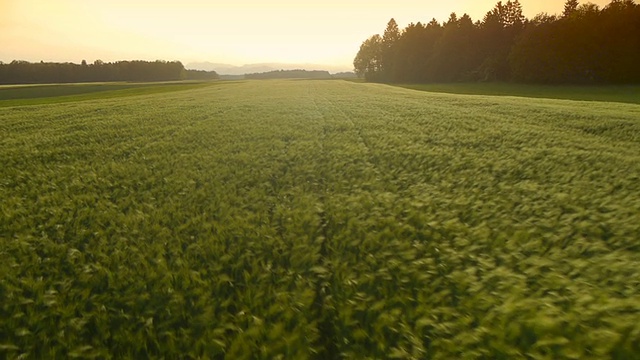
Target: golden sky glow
237,32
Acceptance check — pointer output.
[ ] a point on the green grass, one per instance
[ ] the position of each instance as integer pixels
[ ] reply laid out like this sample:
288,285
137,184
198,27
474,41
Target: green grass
17,95
320,219
610,93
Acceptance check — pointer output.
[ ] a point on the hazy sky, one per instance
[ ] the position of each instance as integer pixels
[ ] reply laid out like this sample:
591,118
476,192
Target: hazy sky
235,31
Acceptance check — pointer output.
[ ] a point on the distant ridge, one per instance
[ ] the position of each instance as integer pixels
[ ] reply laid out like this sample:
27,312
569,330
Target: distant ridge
291,74
227,69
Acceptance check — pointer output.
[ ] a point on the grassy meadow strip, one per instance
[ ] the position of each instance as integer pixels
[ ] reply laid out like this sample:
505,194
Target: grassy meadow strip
20,95
610,93
320,219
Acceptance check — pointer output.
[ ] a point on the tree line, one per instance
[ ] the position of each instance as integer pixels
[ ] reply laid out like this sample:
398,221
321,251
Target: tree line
23,72
585,44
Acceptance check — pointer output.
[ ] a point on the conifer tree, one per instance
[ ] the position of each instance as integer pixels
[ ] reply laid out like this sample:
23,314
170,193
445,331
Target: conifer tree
569,7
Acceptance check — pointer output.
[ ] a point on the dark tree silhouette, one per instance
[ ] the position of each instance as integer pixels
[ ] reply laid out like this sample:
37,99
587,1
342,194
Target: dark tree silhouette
570,7
585,44
390,38
24,72
454,57
413,50
368,63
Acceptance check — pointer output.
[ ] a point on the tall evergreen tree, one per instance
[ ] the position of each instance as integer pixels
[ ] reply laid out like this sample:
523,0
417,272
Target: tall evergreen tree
570,7
513,14
391,33
390,38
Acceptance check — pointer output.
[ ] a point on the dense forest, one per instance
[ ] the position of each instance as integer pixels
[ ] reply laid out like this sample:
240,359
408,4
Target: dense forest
583,45
23,72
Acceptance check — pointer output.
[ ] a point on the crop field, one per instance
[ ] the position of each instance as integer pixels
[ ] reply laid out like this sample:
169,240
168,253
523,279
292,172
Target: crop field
15,95
320,220
611,93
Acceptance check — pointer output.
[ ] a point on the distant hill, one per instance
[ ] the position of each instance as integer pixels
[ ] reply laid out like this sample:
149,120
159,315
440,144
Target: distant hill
227,69
291,74
231,77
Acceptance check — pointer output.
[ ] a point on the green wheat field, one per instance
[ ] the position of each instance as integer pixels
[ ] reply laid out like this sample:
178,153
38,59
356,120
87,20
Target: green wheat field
317,220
